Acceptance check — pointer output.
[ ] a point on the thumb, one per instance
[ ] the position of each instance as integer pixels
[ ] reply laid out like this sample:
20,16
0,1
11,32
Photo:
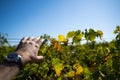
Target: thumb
39,58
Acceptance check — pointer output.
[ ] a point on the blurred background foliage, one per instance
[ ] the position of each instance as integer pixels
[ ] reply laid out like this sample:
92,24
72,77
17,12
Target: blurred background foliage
66,58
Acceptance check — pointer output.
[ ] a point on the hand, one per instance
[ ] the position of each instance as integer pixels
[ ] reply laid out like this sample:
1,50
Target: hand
28,49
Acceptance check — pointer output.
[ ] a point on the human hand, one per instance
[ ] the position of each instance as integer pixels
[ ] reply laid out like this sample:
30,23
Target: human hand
28,49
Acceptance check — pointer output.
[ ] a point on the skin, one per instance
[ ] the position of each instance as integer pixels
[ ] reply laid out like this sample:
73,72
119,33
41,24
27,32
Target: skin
28,50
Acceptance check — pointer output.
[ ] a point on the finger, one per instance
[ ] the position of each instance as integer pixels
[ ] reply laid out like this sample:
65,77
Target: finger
38,38
31,39
39,58
32,43
35,39
40,41
24,39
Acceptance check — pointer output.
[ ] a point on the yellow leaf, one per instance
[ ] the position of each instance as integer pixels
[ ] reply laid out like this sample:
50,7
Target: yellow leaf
61,38
58,68
79,70
100,32
71,73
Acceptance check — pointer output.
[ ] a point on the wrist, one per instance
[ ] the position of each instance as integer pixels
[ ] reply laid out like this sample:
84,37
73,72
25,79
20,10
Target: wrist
10,64
24,59
13,59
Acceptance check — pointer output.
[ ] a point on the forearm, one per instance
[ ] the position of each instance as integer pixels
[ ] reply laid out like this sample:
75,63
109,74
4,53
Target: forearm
8,71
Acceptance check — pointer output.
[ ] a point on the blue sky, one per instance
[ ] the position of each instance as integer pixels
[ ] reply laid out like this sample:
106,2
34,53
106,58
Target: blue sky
19,18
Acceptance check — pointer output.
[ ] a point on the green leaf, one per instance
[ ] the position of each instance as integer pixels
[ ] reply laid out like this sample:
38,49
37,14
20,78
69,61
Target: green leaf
79,37
70,34
59,78
87,73
115,32
55,61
